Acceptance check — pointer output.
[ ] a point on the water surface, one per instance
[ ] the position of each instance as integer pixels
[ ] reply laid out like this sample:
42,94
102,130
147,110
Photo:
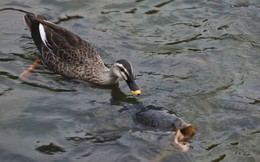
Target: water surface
197,58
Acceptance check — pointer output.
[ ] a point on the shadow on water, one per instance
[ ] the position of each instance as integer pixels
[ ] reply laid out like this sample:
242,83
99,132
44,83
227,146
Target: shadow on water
50,149
117,97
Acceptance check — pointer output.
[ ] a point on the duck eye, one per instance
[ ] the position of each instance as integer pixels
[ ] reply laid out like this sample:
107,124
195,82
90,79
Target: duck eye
121,69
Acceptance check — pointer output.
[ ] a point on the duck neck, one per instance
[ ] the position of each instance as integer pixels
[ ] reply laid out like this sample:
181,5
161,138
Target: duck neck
108,77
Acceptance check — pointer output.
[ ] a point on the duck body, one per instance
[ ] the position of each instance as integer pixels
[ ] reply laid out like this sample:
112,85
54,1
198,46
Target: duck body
67,54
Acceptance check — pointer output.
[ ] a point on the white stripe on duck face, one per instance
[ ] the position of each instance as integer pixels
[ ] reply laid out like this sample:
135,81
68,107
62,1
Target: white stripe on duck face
122,72
43,34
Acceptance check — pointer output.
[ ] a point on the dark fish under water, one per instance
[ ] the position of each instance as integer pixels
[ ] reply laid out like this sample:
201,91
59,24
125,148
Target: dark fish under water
163,119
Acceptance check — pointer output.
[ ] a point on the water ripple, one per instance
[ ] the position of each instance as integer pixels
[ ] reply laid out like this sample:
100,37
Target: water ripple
47,87
9,75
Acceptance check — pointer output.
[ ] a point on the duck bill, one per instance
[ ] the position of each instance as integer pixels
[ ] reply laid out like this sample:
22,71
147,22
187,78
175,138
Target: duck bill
133,87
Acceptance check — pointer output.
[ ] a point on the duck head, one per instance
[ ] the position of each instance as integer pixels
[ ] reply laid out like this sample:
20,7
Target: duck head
124,71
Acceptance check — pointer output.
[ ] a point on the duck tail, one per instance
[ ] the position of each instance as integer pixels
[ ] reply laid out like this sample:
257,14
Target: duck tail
31,19
32,22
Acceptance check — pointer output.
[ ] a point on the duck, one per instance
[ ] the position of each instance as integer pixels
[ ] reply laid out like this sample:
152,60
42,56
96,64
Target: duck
66,53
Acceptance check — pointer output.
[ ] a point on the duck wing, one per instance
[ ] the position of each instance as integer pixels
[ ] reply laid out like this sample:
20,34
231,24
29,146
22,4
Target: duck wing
62,50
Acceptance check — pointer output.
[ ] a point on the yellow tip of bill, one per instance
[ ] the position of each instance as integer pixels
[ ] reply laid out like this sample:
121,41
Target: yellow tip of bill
136,92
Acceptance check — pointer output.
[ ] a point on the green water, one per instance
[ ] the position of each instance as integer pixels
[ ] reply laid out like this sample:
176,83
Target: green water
199,58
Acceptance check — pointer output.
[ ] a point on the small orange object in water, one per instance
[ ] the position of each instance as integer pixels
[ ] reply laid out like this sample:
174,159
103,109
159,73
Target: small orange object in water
26,72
